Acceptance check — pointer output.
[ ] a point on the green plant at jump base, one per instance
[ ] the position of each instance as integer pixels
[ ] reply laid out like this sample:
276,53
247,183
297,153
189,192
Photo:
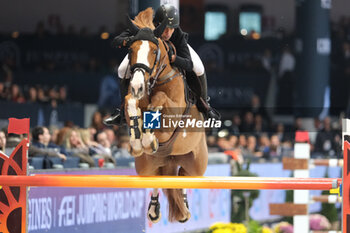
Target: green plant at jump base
242,200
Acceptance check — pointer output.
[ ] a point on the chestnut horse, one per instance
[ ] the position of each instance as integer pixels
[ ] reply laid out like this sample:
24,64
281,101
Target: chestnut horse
156,85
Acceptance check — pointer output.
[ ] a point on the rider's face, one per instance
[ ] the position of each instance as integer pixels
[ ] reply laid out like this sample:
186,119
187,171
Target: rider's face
168,32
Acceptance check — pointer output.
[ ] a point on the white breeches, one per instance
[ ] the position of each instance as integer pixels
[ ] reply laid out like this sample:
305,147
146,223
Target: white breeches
198,67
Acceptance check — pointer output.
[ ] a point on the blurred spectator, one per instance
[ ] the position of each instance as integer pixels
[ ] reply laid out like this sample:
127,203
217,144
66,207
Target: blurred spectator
42,98
111,136
212,144
96,150
233,141
123,150
3,92
298,125
42,139
242,142
251,148
96,121
264,145
223,144
6,72
61,135
325,143
102,139
2,141
259,125
53,97
285,137
275,147
75,146
255,105
32,95
54,130
248,123
62,95
109,93
236,124
16,94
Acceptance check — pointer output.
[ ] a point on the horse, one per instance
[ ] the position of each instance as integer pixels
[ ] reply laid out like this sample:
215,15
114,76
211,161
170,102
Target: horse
156,85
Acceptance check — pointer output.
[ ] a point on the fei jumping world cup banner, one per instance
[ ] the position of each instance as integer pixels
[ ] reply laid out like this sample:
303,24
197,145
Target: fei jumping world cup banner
90,210
85,210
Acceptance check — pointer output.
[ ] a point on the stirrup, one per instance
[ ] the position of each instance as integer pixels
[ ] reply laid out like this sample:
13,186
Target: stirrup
154,202
213,113
117,118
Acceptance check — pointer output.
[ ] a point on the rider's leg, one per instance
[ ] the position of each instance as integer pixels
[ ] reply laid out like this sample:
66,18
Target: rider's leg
118,115
198,68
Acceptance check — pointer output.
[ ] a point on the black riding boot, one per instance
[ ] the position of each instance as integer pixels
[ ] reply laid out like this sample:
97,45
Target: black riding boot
208,111
118,116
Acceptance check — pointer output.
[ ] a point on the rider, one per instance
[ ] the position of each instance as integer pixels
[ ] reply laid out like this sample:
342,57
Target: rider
186,59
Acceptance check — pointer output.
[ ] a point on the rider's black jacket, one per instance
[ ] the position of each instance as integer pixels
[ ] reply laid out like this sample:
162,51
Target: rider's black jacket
179,39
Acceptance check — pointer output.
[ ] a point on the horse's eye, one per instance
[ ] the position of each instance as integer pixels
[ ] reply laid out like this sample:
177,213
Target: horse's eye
155,51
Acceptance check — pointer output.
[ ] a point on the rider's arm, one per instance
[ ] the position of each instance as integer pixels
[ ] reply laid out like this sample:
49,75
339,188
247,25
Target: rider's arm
183,57
122,39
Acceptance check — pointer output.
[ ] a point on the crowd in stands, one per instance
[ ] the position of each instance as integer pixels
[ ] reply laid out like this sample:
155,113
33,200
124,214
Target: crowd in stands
42,94
250,133
276,141
89,145
247,135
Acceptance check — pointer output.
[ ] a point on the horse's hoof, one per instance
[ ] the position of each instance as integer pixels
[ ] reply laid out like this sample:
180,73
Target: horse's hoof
154,202
154,109
186,218
154,219
153,148
136,153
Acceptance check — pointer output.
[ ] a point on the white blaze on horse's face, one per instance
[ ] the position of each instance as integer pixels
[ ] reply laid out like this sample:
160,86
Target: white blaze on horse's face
138,80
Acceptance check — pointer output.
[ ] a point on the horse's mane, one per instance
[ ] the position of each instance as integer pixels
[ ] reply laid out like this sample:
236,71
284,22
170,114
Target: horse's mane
144,19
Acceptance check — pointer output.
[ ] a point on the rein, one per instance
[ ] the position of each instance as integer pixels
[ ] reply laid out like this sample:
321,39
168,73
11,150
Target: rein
154,81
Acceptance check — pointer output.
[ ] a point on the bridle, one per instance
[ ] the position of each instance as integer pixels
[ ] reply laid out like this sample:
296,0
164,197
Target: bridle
154,71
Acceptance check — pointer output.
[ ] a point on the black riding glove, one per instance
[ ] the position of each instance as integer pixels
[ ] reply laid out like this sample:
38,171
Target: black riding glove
128,41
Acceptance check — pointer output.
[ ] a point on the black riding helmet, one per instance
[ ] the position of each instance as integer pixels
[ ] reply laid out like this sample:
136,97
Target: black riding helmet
167,11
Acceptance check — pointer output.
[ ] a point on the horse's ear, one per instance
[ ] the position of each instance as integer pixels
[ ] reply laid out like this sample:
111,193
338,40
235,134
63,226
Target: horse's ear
161,27
133,28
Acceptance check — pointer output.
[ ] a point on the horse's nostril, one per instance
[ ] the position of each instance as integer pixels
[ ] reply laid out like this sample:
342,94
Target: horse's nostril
133,90
141,88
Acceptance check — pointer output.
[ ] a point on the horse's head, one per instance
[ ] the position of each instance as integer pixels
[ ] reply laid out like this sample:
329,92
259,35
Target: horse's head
144,57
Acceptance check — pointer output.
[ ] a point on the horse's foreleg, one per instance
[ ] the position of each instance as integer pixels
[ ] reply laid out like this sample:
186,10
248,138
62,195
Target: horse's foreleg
135,124
150,142
159,101
153,212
